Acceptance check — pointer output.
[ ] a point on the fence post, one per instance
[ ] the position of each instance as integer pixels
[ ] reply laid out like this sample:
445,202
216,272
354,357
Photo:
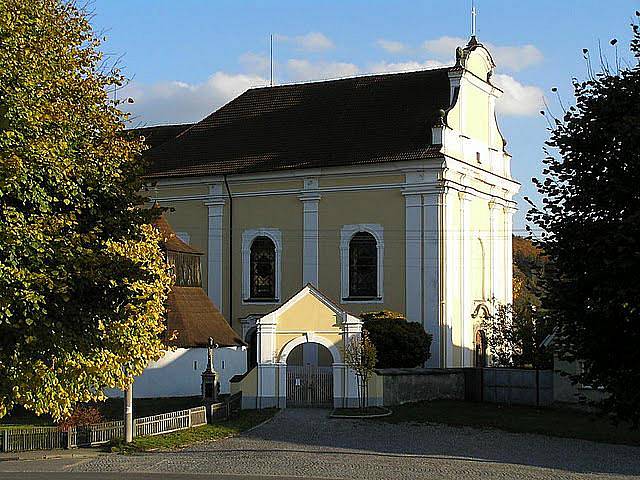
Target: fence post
189,420
5,443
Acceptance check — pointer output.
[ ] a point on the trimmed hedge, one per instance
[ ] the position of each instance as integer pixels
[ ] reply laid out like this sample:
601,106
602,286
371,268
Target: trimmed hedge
399,344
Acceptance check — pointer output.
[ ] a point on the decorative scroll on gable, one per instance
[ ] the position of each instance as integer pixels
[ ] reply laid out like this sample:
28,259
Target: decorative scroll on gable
469,130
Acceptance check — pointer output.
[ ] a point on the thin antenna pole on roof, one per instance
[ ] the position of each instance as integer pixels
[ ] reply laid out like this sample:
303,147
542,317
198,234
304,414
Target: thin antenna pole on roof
271,59
474,13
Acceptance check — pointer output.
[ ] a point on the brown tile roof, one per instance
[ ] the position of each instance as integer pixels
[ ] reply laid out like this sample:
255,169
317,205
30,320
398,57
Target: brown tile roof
192,318
171,241
352,121
159,134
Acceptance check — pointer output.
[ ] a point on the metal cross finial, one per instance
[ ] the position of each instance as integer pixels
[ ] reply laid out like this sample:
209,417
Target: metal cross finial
474,13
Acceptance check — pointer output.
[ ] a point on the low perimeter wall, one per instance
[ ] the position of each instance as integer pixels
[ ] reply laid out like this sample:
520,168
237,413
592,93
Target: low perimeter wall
497,385
403,385
517,386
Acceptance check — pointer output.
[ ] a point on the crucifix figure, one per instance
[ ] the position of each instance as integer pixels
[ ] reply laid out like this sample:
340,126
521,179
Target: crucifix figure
210,383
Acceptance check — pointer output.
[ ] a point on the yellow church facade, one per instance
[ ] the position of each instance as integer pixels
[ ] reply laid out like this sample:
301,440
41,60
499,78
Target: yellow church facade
382,192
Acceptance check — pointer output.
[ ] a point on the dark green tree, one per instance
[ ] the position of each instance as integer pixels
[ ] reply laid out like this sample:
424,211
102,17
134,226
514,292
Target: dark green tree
590,223
399,344
82,277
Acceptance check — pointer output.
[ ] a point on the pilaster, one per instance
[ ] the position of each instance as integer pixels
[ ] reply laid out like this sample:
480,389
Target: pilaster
310,199
413,256
432,224
495,241
215,219
466,329
508,254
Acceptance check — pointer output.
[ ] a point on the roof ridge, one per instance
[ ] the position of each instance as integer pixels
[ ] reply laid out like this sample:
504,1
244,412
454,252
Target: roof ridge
352,77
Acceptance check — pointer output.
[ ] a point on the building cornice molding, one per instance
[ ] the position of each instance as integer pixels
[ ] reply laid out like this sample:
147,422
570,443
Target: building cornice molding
373,169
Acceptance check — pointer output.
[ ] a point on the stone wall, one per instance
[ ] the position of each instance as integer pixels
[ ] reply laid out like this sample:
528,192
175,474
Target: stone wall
517,386
403,385
496,385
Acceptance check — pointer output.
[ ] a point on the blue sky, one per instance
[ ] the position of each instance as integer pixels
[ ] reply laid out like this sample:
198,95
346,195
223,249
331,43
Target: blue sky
188,57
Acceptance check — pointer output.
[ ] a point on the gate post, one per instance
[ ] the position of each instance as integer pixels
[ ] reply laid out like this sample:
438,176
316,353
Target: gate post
282,385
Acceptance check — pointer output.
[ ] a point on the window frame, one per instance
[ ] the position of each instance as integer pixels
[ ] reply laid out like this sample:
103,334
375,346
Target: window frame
248,236
346,234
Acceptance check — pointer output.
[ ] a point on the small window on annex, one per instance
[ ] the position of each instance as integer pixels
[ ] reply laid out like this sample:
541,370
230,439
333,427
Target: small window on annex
263,269
363,266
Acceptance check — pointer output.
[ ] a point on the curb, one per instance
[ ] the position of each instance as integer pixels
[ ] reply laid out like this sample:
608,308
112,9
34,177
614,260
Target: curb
25,456
375,415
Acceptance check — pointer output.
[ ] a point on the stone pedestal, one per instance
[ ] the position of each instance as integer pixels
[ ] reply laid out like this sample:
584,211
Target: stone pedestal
210,385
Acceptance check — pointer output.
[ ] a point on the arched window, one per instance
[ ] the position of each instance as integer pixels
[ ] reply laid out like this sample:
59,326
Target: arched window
263,268
363,266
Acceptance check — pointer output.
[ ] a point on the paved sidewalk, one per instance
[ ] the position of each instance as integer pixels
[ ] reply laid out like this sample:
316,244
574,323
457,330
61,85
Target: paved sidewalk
306,443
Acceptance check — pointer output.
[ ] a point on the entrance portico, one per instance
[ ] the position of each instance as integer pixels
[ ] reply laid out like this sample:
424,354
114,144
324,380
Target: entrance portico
309,317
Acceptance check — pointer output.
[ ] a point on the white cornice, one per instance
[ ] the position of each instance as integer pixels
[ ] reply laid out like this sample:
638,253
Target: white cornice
326,172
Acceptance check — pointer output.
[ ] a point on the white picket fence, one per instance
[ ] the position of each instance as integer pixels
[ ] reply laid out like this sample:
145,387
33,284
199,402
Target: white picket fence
21,439
47,438
170,422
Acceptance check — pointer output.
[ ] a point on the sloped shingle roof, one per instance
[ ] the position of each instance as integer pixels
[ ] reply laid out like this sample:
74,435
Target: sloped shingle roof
351,121
159,134
192,318
171,241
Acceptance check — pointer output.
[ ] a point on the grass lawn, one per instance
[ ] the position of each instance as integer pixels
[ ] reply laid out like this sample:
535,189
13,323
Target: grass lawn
19,417
113,408
557,422
244,421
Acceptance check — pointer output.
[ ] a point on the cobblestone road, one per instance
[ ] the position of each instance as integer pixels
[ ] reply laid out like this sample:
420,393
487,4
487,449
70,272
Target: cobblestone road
307,443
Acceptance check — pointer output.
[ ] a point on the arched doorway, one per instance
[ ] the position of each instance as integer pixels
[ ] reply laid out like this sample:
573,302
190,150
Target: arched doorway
252,348
310,376
480,349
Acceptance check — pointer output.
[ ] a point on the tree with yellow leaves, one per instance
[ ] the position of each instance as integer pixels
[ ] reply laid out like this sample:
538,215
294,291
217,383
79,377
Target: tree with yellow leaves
82,277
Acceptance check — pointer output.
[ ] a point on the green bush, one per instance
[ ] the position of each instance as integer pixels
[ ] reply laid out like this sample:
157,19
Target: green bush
399,344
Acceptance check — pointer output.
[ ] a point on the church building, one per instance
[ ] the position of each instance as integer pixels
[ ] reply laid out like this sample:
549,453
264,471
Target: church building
388,191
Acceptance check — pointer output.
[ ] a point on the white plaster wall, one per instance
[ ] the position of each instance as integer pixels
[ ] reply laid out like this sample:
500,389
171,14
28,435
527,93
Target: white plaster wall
177,374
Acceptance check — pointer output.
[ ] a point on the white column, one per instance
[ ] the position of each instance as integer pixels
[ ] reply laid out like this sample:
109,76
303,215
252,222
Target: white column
413,257
268,373
351,328
450,284
215,204
431,228
508,254
310,199
466,331
495,242
282,385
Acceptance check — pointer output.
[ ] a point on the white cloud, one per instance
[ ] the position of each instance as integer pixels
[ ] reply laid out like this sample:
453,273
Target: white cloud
302,70
518,99
410,66
514,58
391,46
311,42
444,46
314,42
179,102
254,62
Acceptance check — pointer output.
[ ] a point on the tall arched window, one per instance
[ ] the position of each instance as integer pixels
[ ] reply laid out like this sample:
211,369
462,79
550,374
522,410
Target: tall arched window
363,266
263,269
